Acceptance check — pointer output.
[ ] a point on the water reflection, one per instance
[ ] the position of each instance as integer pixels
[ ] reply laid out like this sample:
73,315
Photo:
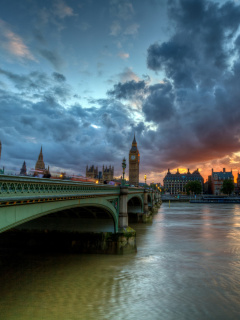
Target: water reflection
187,267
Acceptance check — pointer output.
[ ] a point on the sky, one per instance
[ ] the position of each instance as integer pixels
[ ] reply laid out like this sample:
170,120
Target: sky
79,78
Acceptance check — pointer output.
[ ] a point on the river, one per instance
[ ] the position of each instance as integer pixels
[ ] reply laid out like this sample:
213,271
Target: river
187,267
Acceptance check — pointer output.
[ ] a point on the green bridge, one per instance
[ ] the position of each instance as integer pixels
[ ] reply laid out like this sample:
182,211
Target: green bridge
61,206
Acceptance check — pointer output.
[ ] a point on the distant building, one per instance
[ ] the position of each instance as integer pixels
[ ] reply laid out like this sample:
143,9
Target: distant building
134,160
106,174
92,172
206,187
23,171
40,166
216,180
238,183
174,183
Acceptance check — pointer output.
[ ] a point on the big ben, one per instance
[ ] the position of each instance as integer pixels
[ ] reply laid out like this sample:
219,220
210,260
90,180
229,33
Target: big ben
134,159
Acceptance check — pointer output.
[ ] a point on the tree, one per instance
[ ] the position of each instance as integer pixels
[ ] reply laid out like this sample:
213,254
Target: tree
227,187
194,186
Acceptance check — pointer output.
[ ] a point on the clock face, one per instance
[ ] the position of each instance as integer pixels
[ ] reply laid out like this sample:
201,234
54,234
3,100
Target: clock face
133,157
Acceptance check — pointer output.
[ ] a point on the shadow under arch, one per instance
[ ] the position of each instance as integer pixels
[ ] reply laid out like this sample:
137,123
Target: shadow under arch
134,208
92,216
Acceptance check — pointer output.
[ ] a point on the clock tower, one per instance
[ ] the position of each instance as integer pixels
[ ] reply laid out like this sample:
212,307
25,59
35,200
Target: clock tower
134,159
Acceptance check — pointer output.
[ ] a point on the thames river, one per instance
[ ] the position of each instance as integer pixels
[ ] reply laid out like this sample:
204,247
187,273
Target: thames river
187,267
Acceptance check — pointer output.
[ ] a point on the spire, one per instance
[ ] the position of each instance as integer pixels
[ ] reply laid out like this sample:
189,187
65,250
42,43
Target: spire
134,139
134,143
23,170
40,157
40,163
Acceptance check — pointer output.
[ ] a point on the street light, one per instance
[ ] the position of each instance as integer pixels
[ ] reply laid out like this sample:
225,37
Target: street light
123,167
145,178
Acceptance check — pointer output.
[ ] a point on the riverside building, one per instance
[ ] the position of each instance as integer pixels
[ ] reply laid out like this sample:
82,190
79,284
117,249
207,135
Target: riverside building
174,183
216,180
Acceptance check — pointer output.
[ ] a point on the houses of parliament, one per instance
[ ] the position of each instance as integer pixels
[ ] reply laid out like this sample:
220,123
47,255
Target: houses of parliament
107,173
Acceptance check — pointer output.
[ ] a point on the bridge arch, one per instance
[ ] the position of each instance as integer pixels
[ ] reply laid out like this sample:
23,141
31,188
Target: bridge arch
134,207
15,216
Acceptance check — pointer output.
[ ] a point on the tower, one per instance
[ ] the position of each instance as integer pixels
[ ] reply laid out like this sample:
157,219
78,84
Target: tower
40,164
92,172
108,173
134,159
23,170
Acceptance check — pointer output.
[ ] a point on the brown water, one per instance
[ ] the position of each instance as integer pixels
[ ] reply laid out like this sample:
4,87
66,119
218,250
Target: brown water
187,267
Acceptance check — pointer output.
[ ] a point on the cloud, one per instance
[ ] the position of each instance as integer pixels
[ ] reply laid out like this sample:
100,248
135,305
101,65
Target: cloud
35,81
62,10
159,105
52,57
59,77
13,43
67,134
197,116
192,115
84,26
38,85
132,29
123,55
127,90
115,28
39,36
107,121
122,9
127,74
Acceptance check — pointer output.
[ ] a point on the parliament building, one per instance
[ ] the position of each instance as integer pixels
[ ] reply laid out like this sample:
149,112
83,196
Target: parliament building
106,174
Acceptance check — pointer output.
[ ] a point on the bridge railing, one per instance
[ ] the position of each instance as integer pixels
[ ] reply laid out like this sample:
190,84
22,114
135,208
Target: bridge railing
15,186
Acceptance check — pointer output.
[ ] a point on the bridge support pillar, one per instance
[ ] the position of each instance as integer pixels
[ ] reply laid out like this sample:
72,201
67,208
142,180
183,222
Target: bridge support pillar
123,209
147,215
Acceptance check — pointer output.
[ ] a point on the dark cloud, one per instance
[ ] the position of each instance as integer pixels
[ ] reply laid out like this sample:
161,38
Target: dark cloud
198,115
31,82
37,85
52,57
71,137
107,121
198,52
159,105
127,90
59,77
39,36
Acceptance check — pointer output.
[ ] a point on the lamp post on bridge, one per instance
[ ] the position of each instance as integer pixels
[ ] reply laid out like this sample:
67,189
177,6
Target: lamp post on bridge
123,167
145,178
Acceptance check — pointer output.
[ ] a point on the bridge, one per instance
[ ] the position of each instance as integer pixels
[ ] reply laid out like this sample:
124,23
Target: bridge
62,205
